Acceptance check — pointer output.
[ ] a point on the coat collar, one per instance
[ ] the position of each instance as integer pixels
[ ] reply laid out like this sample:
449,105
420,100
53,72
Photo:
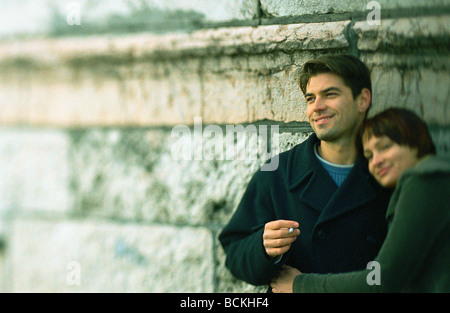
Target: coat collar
301,162
356,191
305,169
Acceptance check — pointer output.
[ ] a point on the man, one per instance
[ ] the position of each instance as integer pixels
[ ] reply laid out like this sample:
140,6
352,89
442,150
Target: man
320,211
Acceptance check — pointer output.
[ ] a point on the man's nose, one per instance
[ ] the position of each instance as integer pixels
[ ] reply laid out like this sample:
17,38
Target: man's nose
319,104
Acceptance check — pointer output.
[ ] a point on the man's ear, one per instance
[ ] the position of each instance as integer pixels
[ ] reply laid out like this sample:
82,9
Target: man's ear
364,100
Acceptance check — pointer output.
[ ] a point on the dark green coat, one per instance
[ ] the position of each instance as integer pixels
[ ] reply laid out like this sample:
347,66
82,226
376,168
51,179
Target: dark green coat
416,254
341,229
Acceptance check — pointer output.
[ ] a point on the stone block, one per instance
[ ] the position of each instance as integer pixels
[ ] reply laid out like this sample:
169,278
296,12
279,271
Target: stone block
217,11
84,17
154,93
229,75
4,285
407,35
294,7
96,256
144,174
35,175
423,90
285,8
255,91
409,63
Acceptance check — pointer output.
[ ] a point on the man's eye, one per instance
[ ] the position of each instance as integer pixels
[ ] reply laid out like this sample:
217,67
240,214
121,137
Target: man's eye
309,99
331,94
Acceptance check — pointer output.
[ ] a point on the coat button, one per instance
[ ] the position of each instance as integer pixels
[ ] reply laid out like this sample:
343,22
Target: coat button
320,234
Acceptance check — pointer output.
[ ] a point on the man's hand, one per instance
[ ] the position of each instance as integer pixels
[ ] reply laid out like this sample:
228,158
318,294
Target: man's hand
276,237
285,279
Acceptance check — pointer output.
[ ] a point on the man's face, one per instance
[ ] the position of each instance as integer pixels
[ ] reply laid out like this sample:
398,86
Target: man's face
331,109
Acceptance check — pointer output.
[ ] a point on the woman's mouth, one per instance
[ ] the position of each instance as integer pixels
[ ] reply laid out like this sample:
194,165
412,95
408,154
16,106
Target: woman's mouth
383,171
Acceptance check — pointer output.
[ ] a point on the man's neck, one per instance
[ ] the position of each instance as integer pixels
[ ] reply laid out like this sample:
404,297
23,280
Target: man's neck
342,153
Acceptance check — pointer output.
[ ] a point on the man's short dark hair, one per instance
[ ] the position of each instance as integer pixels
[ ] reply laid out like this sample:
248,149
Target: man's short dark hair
354,73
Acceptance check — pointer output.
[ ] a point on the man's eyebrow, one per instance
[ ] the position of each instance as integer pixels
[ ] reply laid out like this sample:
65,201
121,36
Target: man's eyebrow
324,91
330,89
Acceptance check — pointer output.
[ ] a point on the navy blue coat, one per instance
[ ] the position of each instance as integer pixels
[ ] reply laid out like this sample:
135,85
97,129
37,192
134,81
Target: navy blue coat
342,228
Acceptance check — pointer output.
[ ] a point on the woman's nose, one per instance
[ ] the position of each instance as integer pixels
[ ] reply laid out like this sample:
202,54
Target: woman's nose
377,159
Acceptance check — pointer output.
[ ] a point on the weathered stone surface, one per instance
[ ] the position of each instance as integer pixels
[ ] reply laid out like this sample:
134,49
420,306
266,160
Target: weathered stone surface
210,42
124,81
95,256
83,17
441,138
4,279
35,175
252,93
279,8
144,174
295,7
407,35
213,10
152,94
420,89
409,64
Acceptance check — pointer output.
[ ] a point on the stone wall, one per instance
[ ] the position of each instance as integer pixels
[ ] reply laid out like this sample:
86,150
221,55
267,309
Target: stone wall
96,193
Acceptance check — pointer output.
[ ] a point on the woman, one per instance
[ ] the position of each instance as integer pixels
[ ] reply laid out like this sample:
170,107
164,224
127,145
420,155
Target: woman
415,255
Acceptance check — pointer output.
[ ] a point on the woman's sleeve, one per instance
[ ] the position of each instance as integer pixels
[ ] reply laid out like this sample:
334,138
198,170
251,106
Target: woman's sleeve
421,216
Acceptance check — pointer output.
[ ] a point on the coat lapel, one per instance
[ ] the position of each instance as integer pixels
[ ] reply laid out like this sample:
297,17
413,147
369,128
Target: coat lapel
354,192
305,169
319,191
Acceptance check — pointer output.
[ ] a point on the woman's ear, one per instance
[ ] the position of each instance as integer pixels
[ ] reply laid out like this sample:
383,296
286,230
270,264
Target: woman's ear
364,99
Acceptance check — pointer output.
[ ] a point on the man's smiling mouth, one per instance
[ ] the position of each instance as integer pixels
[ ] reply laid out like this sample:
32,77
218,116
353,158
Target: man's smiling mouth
322,119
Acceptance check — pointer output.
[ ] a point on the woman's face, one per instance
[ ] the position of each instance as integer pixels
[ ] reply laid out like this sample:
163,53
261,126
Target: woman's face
387,159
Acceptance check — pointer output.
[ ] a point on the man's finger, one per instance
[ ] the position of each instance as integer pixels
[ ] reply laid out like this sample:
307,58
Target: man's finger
278,242
279,224
280,233
274,252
